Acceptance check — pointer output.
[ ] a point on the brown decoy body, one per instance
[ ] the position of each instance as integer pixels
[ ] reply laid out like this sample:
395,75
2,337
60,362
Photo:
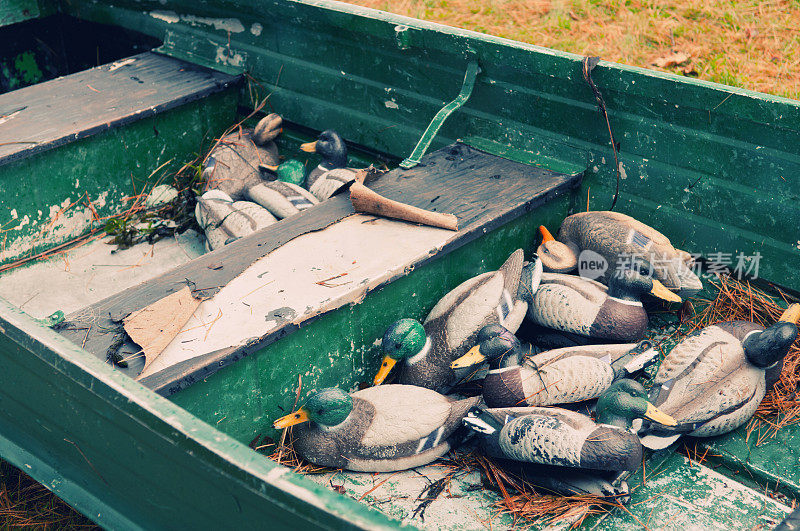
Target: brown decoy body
560,376
237,162
379,429
586,307
621,241
715,378
426,350
555,436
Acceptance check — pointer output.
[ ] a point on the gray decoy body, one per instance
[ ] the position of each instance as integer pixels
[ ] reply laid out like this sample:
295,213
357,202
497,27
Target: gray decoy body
586,307
619,239
225,220
235,164
427,350
379,429
331,182
714,379
555,436
282,199
561,376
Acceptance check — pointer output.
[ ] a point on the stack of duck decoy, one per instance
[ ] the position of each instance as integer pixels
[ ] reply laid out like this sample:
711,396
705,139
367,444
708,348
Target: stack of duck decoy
246,189
709,384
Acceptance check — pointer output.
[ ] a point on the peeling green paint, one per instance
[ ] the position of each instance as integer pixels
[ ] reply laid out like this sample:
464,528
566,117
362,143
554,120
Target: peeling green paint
103,169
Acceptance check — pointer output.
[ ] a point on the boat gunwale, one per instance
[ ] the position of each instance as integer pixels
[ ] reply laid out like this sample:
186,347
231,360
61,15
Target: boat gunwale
210,445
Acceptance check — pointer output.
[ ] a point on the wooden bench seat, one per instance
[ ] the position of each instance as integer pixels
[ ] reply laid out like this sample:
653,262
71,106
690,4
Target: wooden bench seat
44,116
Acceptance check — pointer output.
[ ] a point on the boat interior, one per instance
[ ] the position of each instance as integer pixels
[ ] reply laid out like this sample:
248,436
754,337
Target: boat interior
102,102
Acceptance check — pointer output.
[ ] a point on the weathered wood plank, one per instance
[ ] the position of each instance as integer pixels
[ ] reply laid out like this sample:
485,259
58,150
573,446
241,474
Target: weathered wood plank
79,105
483,190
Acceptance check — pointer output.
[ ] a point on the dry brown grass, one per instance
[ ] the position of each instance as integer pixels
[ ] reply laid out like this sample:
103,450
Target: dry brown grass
751,44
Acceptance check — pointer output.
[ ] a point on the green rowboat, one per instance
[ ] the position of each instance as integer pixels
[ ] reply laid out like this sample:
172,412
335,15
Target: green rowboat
99,97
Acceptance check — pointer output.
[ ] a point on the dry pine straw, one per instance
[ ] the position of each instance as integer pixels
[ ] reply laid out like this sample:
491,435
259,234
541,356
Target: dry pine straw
739,300
25,504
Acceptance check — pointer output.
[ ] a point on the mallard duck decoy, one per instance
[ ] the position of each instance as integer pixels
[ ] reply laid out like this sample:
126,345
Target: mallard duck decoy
378,429
561,376
332,173
715,378
282,199
555,436
234,165
428,349
225,220
620,240
586,307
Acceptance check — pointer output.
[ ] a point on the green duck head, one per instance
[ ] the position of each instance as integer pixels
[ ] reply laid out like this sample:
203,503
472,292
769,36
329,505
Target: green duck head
402,340
327,407
292,171
625,401
330,146
496,344
629,284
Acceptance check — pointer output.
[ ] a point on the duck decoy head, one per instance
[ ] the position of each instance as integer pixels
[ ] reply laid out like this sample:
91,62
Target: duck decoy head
764,349
556,256
496,344
625,401
403,339
328,407
267,129
292,171
330,147
629,284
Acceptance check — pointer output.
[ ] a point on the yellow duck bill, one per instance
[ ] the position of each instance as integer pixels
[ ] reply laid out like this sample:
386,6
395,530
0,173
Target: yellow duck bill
661,291
792,314
298,417
473,357
309,147
656,415
383,372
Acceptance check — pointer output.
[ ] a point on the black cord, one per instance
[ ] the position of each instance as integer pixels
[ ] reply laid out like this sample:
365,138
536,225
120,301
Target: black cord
588,65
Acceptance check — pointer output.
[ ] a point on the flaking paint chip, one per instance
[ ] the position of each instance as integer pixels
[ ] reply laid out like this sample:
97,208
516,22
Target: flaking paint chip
155,326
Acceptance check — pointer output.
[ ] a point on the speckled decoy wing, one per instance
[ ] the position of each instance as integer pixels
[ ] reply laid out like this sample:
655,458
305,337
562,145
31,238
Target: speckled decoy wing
404,413
566,302
547,436
710,345
731,403
566,380
479,301
705,375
